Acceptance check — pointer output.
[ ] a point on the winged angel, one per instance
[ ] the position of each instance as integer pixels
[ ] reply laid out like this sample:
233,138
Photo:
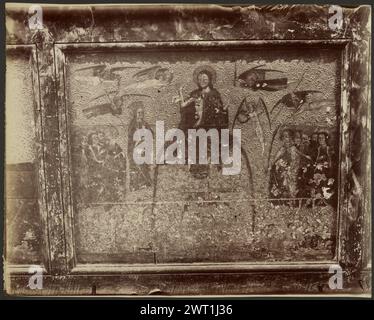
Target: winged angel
250,108
107,83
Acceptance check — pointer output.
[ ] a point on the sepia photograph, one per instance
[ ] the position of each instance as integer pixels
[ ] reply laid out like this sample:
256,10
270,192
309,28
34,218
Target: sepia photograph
187,150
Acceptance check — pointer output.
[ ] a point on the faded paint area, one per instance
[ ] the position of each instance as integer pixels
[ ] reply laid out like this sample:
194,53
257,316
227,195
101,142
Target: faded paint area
20,139
24,241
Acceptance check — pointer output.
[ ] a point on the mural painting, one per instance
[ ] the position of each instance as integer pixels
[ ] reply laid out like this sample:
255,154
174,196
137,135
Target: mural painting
283,204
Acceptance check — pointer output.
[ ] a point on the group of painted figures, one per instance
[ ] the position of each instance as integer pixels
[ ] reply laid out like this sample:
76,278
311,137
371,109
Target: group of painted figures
104,164
303,169
102,168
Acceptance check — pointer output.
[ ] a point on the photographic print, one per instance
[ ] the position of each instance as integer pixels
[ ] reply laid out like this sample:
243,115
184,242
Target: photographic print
194,150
